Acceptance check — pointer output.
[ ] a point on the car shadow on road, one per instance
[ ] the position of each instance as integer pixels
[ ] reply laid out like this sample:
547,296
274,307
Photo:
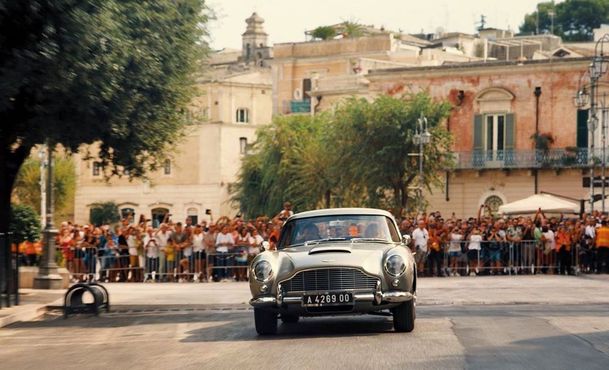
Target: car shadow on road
318,327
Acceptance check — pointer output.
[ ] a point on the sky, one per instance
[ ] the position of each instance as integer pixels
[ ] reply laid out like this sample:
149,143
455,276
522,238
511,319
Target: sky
286,20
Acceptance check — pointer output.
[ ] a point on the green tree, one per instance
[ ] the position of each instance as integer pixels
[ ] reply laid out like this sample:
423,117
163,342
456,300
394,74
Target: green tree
355,156
25,224
287,164
574,20
376,140
352,29
118,73
27,186
324,32
104,213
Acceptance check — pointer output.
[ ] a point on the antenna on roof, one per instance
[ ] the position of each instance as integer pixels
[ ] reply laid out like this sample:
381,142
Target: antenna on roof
482,23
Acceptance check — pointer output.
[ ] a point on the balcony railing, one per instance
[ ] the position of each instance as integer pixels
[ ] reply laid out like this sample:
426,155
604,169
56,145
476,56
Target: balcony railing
300,106
513,159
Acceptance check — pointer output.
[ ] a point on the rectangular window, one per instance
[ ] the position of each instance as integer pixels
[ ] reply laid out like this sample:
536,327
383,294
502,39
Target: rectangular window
243,145
167,167
495,137
306,89
96,169
242,115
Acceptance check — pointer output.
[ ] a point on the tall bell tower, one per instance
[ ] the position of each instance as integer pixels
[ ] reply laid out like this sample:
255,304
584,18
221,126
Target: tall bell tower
254,47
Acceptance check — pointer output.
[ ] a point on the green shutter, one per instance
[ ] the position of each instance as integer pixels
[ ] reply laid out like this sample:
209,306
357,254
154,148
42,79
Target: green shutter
478,132
510,131
582,128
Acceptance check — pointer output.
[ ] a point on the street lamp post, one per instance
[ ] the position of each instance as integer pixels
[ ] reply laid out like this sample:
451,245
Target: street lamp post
596,70
48,277
421,138
43,192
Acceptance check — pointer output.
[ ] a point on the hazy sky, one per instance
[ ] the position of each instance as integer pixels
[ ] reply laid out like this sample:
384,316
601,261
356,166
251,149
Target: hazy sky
286,20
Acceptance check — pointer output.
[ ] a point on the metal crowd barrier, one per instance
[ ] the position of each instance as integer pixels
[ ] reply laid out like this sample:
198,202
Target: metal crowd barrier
9,271
92,264
510,258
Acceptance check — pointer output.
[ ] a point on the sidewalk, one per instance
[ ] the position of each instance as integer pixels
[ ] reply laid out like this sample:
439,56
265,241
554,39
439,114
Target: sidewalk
33,304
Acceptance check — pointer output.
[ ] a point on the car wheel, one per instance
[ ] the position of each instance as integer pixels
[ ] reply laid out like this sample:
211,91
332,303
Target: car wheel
289,319
266,321
404,316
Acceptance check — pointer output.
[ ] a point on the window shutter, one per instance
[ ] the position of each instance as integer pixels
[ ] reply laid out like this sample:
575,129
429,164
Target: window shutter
510,131
478,131
582,128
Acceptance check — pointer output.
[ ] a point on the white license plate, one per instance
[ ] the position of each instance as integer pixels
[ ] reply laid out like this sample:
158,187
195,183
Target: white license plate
327,299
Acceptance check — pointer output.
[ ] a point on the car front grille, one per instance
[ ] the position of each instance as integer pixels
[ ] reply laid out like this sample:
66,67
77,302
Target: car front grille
329,279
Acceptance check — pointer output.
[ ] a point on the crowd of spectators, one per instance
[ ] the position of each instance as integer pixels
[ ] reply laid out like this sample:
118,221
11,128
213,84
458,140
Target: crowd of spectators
173,251
222,250
490,244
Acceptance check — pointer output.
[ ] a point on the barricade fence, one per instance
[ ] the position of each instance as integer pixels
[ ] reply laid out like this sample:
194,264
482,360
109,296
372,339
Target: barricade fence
93,264
460,258
511,258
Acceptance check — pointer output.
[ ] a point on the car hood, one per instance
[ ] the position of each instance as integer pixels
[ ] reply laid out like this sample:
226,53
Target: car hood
368,256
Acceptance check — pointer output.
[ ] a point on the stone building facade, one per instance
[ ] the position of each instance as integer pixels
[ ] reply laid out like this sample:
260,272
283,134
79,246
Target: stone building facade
234,100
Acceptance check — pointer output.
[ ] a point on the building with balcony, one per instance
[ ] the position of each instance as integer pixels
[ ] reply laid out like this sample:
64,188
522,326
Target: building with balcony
234,100
501,111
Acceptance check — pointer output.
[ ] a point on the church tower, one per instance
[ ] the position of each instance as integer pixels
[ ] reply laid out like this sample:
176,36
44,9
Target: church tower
254,40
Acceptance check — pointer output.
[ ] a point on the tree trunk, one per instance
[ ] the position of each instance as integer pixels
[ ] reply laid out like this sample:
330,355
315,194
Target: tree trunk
328,197
10,162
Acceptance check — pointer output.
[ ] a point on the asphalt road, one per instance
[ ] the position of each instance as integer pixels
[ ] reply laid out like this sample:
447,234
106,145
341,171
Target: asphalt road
514,336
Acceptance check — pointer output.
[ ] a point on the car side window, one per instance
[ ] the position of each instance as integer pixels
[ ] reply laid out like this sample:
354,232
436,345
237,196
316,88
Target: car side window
395,236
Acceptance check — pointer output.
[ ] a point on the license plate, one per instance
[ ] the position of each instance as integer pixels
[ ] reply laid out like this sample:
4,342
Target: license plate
327,299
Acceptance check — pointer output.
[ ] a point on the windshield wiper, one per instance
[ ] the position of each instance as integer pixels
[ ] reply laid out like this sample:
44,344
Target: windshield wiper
381,240
318,241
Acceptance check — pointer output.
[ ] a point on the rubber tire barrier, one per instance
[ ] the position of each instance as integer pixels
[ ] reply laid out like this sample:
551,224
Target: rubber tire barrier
73,302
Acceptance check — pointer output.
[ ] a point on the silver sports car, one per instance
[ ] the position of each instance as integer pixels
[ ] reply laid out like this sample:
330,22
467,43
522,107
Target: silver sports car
333,262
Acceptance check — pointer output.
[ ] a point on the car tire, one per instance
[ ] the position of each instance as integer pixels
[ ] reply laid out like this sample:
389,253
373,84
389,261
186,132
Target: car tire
266,321
289,319
404,316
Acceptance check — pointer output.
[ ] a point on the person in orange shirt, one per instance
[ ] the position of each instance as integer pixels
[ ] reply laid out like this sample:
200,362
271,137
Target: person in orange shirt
601,242
563,249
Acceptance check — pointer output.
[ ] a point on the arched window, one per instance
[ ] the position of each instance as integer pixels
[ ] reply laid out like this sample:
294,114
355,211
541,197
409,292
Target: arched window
243,145
158,215
129,214
242,115
493,203
193,214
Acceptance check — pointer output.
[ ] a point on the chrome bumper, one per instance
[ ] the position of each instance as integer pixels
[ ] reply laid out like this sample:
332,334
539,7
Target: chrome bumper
388,297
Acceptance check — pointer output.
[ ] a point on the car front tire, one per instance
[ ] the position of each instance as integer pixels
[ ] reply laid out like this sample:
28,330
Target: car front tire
289,319
404,316
266,321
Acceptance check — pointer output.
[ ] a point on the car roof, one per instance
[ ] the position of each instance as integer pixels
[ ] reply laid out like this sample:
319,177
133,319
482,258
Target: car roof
341,211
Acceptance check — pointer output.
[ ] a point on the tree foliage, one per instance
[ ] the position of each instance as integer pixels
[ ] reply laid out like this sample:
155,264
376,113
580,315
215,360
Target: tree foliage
27,186
104,213
25,224
357,155
118,73
574,20
324,32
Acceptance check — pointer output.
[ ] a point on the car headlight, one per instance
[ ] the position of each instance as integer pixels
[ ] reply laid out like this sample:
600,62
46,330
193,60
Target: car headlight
395,265
263,271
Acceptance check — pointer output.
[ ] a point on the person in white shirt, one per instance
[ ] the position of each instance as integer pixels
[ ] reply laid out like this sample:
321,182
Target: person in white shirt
224,245
420,237
199,252
152,255
473,251
454,250
162,238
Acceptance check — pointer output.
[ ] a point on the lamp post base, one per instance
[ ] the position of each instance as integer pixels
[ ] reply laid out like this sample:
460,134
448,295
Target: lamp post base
52,281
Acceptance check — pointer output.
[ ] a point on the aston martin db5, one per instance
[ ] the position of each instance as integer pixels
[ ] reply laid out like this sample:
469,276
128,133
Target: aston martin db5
335,262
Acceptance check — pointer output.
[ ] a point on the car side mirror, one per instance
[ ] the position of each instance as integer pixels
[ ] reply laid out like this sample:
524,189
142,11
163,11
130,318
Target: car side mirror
405,239
264,246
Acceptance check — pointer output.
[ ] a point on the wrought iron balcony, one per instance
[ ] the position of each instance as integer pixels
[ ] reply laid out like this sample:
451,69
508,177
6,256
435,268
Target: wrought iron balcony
523,159
300,106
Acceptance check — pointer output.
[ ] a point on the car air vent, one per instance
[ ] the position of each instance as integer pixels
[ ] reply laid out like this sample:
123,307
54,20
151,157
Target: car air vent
330,250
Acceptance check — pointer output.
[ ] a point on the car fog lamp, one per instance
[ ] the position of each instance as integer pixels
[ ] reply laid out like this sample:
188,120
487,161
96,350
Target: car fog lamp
395,282
264,288
395,265
263,271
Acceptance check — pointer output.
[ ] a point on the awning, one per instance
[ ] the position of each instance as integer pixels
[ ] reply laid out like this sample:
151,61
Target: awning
547,203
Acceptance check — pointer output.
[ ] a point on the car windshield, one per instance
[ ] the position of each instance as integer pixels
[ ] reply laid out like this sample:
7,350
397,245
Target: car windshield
352,228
